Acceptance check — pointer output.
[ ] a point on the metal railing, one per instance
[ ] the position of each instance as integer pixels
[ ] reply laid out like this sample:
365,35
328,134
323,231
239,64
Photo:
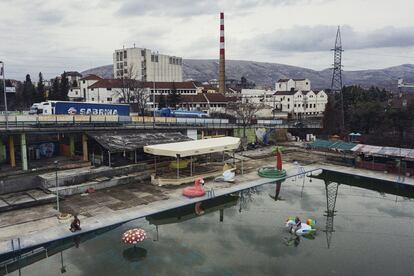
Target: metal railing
62,121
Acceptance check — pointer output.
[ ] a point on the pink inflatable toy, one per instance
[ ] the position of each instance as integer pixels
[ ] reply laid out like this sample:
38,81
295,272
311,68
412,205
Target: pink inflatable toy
196,190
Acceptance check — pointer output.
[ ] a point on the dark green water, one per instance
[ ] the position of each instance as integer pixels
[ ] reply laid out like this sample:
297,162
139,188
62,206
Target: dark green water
372,233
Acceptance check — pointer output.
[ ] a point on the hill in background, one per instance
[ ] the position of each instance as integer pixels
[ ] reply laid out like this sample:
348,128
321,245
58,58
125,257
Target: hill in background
263,73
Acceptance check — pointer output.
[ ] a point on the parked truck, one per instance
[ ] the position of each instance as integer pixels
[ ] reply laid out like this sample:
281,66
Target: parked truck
78,108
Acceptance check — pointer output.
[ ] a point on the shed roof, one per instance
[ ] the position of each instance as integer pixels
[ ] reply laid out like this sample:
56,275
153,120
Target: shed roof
197,147
334,145
286,93
385,151
122,141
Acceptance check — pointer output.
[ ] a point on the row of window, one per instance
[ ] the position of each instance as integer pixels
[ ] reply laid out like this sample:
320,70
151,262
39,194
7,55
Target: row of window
120,72
154,58
121,65
201,105
121,55
179,91
305,105
174,60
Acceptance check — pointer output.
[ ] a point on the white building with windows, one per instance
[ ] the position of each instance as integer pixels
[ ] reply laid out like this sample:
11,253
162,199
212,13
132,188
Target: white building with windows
95,89
298,102
145,65
296,84
82,92
292,96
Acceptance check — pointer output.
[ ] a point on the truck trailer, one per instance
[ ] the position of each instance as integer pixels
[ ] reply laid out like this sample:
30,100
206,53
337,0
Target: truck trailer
78,108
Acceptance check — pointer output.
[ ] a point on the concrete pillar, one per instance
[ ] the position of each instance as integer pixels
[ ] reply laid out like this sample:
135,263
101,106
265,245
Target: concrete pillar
192,133
109,158
85,147
23,150
11,152
71,145
2,151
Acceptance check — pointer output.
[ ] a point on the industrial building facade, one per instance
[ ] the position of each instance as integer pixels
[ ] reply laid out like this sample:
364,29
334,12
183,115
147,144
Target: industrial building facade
144,65
291,96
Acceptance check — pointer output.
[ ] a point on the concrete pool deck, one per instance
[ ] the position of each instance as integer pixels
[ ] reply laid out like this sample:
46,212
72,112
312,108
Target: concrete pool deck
58,231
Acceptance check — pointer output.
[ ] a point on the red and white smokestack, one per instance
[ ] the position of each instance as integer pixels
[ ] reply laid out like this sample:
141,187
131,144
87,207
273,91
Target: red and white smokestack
222,71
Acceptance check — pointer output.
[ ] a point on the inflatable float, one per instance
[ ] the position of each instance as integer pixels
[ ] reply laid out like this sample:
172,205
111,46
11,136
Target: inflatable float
228,176
306,228
196,190
274,172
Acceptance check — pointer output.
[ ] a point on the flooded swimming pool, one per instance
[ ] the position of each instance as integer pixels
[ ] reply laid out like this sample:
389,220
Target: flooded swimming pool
364,227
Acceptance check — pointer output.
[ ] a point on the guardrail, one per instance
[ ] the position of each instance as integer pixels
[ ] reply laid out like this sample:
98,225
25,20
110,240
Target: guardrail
98,121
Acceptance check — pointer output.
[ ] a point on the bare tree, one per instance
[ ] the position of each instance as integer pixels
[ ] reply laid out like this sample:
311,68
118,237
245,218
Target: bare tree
132,91
245,112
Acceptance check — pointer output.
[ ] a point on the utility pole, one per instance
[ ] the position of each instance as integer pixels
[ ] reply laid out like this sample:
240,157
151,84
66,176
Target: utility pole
153,96
336,84
4,92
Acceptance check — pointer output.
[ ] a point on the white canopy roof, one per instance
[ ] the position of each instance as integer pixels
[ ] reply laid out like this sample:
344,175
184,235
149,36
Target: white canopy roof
384,151
197,147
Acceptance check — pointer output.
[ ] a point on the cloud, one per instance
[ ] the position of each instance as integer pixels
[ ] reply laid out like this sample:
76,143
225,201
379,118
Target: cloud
186,8
322,38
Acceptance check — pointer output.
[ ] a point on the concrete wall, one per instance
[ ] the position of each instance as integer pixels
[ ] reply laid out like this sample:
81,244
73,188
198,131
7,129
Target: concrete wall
192,133
77,176
98,185
18,184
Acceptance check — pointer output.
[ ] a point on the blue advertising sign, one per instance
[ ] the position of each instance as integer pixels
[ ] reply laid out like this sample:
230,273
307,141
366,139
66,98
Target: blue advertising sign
79,108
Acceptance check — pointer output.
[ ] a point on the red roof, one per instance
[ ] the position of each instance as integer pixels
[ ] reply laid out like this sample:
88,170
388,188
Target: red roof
107,83
91,77
171,85
119,83
198,98
216,98
213,98
285,93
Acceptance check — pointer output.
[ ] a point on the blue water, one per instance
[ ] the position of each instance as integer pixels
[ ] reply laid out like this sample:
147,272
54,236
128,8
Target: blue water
371,233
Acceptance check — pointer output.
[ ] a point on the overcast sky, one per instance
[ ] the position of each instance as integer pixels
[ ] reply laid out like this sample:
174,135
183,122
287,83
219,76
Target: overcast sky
53,35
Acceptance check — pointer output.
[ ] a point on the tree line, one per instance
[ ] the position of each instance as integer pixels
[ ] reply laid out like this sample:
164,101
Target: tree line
383,117
29,92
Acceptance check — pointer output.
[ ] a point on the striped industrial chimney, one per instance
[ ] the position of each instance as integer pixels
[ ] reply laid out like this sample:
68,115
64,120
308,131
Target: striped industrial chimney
222,65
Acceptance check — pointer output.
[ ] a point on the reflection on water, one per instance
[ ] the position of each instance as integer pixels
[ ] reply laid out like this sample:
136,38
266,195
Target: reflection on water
364,227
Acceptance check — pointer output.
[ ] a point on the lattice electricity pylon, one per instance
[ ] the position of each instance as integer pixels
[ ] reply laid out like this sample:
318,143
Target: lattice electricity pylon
331,190
336,84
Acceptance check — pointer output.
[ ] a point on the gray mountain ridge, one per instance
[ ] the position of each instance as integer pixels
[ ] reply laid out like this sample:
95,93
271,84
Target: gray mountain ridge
264,73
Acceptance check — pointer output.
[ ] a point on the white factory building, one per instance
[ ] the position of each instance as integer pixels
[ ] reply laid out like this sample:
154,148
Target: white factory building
292,96
95,89
296,84
145,65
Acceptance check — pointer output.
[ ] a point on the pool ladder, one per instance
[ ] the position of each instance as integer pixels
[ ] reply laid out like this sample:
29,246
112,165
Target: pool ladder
400,179
301,172
211,193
